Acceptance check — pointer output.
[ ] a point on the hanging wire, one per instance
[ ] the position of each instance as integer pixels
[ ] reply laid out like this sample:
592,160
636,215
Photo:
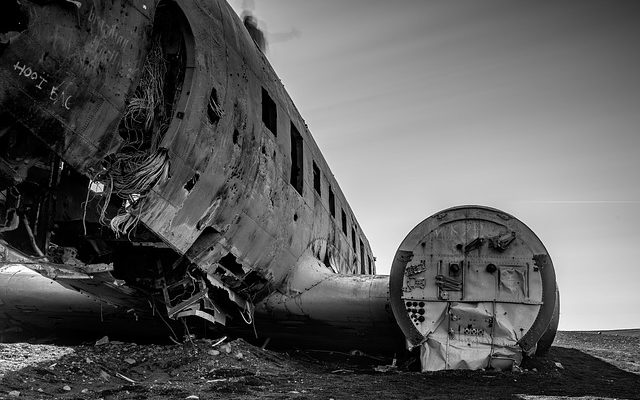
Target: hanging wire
141,163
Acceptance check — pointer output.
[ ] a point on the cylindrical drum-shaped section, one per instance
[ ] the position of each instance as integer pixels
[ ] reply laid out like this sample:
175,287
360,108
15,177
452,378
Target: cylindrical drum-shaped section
473,287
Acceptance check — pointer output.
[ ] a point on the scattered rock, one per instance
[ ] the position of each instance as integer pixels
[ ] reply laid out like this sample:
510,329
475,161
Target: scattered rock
190,370
226,348
385,368
66,388
14,393
342,371
239,356
103,340
558,365
130,361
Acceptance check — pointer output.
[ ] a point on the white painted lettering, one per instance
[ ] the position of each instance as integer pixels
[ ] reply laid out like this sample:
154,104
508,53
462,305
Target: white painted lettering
53,95
39,85
17,66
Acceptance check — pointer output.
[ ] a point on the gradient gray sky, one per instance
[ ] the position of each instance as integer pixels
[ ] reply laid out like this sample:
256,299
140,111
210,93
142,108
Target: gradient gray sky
532,107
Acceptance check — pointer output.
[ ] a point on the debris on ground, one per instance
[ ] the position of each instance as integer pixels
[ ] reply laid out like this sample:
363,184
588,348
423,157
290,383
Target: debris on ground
236,369
103,340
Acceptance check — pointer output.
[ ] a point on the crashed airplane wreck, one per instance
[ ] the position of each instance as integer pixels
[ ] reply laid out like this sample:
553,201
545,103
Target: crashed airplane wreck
150,158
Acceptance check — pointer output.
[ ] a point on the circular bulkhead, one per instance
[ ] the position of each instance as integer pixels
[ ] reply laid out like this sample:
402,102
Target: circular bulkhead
474,288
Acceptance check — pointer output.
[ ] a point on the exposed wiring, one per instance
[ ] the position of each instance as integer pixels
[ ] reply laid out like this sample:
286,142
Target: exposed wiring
32,239
175,337
141,163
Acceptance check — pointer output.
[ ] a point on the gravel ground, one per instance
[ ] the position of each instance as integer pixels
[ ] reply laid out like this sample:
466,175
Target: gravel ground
580,365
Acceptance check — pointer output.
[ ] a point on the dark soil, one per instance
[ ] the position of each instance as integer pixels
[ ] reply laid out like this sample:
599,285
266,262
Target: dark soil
584,365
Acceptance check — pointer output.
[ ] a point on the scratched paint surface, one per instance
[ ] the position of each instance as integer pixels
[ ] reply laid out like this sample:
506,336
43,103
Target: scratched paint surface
69,77
74,66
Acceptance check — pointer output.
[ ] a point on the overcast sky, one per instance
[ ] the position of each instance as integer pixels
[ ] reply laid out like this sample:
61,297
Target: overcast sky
532,107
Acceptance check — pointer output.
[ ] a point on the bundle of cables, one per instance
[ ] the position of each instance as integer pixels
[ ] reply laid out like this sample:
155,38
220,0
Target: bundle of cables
131,177
141,163
145,116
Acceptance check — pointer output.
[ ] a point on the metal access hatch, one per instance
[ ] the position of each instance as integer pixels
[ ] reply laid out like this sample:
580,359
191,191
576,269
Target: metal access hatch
474,288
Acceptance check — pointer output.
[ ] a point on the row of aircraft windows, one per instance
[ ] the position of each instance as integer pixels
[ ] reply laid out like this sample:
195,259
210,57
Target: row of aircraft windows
270,118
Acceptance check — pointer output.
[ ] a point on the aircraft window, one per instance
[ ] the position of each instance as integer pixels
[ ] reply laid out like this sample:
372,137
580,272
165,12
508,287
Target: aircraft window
297,171
353,239
363,266
214,111
192,182
236,136
344,222
332,203
316,178
269,113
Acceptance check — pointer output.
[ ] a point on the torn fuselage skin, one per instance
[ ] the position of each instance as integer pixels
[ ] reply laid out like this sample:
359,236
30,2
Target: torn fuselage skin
131,141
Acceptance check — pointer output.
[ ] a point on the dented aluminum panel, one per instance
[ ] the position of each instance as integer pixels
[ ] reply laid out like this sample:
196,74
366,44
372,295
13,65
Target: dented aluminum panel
132,137
470,289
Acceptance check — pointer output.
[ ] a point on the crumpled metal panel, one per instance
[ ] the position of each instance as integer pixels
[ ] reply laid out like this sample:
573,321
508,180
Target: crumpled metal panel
83,279
491,342
438,355
474,288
